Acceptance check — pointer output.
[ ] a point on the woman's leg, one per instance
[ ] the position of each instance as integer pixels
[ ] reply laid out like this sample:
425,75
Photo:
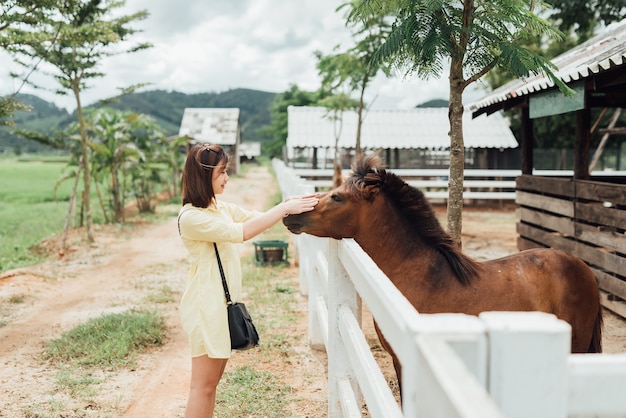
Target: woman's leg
206,373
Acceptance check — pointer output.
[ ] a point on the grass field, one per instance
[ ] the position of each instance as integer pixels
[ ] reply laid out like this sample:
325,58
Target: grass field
29,209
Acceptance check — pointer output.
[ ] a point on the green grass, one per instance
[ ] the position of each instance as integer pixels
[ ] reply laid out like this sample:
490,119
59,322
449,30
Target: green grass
31,182
165,294
77,382
28,211
110,341
32,211
17,299
251,393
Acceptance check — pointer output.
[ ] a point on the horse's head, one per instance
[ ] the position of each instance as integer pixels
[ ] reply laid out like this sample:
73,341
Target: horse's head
342,211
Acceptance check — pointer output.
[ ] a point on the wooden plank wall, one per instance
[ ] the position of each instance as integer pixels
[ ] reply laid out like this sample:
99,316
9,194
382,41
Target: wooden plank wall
584,218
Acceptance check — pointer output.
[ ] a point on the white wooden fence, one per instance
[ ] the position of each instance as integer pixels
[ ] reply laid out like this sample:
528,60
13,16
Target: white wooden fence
477,184
500,364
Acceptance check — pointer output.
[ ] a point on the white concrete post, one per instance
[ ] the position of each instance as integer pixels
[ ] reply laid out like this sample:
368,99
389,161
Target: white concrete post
597,383
317,248
300,241
464,334
341,291
528,363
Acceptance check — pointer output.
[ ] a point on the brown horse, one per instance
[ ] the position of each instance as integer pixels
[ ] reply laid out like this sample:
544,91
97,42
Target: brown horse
396,226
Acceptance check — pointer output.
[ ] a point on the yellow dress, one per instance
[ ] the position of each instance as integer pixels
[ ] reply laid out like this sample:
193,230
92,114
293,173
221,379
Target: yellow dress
203,304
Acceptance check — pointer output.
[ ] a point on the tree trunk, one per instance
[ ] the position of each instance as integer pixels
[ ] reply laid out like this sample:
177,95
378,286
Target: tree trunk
68,216
457,159
118,207
338,126
85,157
357,148
102,205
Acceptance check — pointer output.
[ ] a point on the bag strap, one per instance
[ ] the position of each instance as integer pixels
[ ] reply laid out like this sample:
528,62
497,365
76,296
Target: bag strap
179,215
219,263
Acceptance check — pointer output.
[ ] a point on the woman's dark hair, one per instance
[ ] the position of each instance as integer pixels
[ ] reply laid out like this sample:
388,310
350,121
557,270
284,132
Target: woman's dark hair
197,184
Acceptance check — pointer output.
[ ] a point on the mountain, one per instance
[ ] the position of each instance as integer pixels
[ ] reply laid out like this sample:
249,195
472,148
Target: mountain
434,103
165,107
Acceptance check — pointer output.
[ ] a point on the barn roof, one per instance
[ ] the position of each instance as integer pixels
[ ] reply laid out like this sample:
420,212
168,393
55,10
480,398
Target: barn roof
599,54
310,127
215,125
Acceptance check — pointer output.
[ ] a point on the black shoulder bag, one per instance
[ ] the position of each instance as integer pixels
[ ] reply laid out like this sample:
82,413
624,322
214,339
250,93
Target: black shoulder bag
243,333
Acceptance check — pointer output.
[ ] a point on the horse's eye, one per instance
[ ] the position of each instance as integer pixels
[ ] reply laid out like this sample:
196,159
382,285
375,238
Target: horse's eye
335,197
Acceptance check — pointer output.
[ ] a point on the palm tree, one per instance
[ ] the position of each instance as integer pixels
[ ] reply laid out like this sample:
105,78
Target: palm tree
113,153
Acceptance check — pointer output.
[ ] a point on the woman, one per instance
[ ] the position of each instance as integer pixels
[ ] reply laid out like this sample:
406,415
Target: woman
204,220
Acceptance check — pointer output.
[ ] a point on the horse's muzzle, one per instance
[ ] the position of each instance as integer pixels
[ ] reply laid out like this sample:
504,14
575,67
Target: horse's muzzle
293,223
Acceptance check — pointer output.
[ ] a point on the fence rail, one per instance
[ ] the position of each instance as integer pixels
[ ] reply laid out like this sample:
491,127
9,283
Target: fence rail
478,184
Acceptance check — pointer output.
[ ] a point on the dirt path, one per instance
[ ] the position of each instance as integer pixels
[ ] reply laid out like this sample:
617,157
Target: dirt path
125,268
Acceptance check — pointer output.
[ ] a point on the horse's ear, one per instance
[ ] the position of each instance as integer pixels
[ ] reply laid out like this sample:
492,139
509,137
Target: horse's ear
370,191
337,177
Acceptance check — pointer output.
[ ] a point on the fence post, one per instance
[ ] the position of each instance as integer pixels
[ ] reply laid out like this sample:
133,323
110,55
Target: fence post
297,241
464,334
597,384
528,374
341,292
316,277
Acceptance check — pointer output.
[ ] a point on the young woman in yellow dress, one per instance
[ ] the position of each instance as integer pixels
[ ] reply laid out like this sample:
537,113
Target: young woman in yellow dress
203,220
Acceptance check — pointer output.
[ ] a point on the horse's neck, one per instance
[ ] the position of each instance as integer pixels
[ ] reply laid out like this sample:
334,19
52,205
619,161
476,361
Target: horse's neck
390,243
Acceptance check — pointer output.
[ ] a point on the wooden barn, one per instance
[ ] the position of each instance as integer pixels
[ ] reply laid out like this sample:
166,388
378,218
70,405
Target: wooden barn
585,214
413,138
219,126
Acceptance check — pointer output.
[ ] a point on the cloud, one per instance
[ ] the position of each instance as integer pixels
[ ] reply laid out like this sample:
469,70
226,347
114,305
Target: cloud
217,45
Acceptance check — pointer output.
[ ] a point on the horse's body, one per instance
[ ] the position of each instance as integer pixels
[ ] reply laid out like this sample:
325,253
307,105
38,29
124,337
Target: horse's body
396,226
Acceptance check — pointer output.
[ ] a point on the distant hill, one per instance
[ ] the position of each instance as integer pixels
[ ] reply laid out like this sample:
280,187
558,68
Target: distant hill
165,107
434,103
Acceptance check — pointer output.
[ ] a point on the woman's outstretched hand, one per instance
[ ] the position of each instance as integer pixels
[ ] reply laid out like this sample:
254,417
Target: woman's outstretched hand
292,206
299,204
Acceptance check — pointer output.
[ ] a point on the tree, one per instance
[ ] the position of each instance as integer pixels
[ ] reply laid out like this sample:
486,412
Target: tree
334,71
337,104
15,13
278,113
113,150
73,41
472,37
578,20
355,67
171,153
583,16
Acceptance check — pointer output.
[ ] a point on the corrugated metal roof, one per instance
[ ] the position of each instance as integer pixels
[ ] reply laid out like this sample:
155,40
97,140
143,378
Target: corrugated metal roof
600,53
213,125
310,127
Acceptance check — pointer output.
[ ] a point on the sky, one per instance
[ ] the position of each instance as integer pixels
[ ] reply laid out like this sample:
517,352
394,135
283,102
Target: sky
216,45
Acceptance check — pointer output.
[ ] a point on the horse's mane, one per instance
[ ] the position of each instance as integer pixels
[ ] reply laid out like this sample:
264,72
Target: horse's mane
413,206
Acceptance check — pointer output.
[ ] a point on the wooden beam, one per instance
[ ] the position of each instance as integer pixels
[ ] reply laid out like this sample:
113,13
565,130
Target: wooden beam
581,147
527,142
613,131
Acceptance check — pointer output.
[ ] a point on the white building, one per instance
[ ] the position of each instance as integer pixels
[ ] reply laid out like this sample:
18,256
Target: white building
312,132
219,126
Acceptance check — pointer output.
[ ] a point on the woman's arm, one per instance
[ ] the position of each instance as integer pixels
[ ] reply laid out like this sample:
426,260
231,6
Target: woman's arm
291,206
